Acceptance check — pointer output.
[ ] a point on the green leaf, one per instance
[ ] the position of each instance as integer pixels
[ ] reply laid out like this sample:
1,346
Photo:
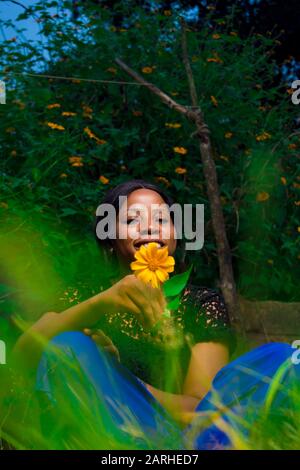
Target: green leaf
174,303
177,283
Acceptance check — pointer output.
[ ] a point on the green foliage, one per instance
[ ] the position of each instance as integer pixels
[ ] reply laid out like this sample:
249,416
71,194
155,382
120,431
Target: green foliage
121,132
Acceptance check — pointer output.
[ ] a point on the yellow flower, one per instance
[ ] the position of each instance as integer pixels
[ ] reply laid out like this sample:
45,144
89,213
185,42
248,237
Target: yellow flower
292,146
263,196
181,150
153,264
63,175
13,153
147,69
55,105
228,135
298,229
162,179
233,33
174,125
103,179
216,36
297,203
214,100
215,59
68,113
167,12
180,171
76,161
263,136
283,180
223,157
91,135
55,126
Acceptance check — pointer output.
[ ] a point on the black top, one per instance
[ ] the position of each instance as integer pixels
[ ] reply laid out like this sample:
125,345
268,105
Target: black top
201,317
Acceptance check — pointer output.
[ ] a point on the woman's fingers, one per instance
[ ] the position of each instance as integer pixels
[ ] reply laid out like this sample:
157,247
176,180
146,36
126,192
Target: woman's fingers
105,342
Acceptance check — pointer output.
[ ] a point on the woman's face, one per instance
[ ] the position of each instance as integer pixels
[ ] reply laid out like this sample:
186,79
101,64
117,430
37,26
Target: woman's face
143,222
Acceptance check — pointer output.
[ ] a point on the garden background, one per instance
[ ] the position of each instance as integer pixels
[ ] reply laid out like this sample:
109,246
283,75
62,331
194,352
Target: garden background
75,124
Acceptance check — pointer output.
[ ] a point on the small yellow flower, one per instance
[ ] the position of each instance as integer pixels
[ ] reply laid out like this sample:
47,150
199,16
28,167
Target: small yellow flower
263,136
216,59
147,69
91,135
223,157
174,93
10,130
181,150
111,70
68,113
283,180
52,125
13,153
171,125
180,171
270,261
162,179
153,264
262,196
214,100
216,36
76,161
297,203
55,105
228,135
167,12
103,179
233,33
63,175
292,146
298,229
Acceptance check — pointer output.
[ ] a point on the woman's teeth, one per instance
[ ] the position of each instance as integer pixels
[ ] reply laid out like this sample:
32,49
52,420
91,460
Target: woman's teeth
147,243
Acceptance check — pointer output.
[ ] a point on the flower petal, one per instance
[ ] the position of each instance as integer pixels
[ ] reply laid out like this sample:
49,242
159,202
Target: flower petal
161,274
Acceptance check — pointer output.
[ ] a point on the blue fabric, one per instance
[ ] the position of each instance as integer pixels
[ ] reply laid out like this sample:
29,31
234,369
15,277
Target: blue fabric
90,400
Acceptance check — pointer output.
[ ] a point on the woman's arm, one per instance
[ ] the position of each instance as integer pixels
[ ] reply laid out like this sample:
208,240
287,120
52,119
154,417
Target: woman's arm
180,406
30,345
206,360
127,295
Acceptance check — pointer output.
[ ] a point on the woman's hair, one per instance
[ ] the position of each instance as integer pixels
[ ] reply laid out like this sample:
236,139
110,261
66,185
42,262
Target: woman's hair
124,189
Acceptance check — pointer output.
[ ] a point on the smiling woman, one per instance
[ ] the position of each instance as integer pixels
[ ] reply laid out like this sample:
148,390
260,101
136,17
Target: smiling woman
102,362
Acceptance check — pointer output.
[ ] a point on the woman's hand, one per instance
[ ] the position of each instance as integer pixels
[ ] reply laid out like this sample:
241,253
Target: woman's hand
132,295
102,340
